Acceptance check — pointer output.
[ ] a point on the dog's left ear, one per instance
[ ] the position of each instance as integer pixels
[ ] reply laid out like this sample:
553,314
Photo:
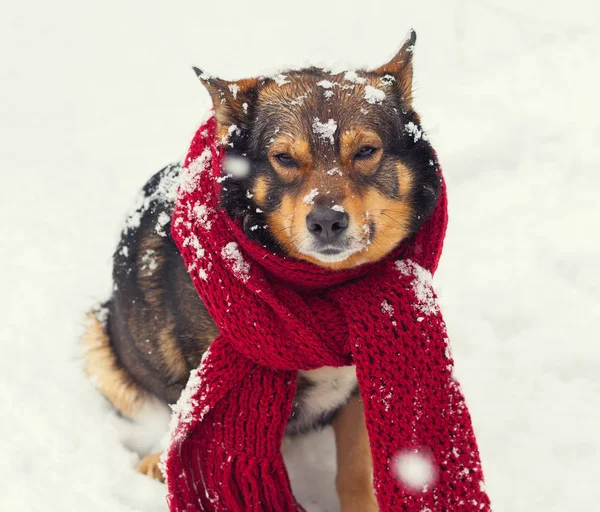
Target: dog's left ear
401,68
232,100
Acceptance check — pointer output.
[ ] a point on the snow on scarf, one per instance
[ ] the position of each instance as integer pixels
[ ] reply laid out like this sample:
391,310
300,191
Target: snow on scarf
278,315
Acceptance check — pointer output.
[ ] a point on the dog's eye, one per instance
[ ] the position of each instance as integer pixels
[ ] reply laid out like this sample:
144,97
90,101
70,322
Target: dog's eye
285,159
365,152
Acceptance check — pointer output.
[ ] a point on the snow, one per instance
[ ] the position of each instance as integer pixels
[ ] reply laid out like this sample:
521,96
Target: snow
149,261
165,192
201,214
237,166
94,103
326,84
374,95
324,130
162,220
422,285
280,79
189,176
338,208
240,267
386,307
299,99
414,131
415,470
310,197
195,243
352,76
234,88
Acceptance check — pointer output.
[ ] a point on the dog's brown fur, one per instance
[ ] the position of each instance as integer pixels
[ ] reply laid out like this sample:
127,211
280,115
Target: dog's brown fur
157,328
106,373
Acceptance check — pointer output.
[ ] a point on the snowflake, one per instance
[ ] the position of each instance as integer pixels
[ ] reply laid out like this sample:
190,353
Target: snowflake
234,88
416,132
280,79
374,95
421,284
414,469
324,130
310,197
240,267
352,76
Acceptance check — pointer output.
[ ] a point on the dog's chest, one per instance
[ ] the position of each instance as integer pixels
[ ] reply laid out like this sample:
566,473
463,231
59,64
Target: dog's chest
320,394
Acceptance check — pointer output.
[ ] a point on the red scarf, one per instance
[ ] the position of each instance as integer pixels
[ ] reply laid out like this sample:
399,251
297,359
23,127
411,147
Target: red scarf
278,315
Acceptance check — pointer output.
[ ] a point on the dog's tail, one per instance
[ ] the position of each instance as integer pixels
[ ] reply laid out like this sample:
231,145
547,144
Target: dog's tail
103,367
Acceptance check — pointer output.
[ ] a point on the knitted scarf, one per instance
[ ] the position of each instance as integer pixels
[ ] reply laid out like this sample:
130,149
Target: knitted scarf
278,315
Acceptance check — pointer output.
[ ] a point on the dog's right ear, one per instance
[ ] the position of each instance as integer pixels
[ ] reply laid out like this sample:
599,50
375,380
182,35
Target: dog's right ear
232,100
401,68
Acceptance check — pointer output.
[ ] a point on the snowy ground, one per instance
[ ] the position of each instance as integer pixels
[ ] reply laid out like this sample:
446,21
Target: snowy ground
96,96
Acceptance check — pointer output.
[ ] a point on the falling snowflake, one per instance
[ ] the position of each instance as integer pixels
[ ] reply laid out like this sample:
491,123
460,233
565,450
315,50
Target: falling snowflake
415,470
237,166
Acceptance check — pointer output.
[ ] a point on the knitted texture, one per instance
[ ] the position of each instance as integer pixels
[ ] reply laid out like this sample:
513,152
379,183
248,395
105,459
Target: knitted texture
278,315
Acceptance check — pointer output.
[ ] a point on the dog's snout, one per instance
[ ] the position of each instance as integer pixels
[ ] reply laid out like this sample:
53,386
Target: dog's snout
326,224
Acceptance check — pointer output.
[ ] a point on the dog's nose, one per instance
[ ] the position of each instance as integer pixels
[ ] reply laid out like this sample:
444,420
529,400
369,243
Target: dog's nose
326,224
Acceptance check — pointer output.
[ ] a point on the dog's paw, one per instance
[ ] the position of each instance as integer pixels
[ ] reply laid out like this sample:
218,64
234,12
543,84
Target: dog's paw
149,467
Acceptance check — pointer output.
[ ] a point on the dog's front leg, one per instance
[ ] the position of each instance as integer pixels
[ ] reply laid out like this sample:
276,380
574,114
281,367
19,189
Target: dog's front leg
354,480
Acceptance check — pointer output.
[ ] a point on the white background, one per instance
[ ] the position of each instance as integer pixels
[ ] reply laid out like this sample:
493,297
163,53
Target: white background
97,96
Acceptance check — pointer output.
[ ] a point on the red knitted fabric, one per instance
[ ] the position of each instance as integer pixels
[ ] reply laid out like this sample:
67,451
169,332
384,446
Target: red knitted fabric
278,315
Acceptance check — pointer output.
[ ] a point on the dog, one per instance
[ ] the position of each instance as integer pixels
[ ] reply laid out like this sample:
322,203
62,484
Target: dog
330,168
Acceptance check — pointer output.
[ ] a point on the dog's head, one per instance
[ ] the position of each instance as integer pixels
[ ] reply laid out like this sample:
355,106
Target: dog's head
330,168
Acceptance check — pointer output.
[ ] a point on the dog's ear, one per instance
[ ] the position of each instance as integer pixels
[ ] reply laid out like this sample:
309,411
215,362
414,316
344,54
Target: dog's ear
232,100
401,68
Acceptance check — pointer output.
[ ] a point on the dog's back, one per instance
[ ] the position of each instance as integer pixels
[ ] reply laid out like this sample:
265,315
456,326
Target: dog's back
155,328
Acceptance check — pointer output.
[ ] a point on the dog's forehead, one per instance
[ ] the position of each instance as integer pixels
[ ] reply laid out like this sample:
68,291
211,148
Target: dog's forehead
317,105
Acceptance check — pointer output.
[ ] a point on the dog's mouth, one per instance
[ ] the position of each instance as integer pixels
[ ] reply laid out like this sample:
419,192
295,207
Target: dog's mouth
330,251
331,254
336,251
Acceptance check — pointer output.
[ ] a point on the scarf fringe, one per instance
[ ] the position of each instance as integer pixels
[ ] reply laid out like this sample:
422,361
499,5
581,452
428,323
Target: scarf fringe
228,482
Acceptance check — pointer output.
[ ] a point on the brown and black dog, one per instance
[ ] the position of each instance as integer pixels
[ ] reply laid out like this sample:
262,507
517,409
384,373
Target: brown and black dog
337,171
